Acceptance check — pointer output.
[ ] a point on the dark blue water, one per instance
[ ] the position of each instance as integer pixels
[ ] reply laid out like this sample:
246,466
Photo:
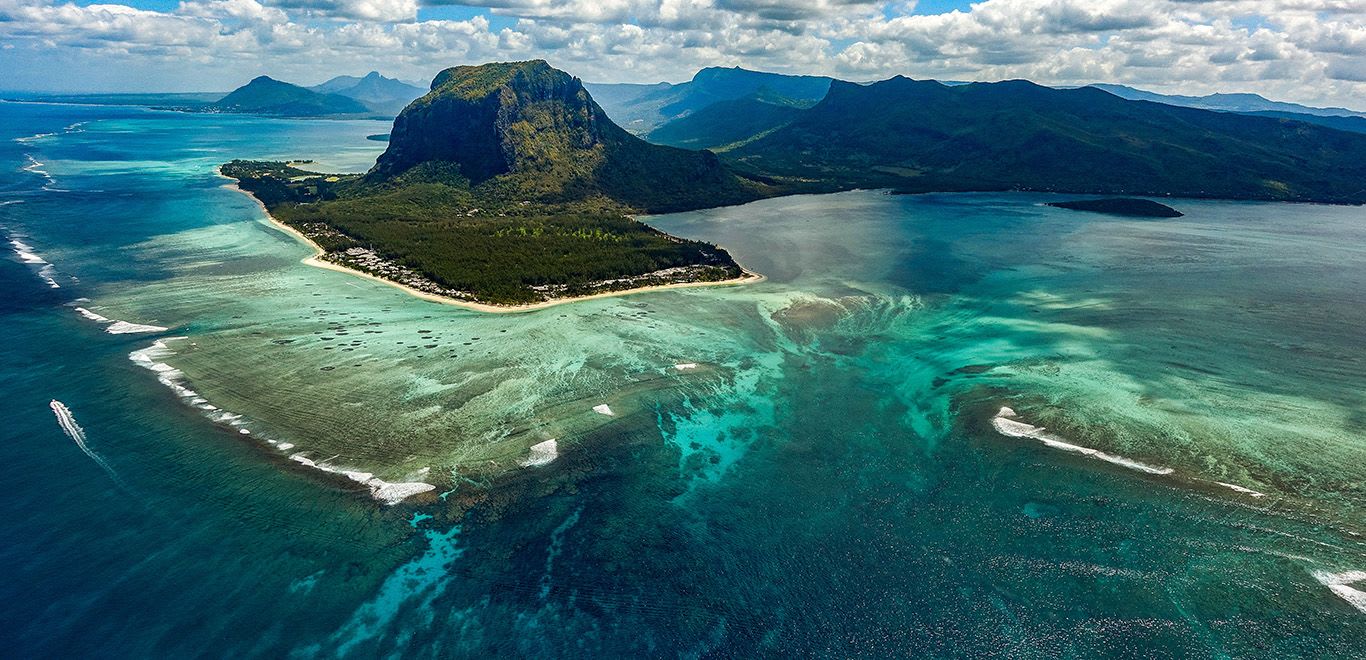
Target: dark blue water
830,484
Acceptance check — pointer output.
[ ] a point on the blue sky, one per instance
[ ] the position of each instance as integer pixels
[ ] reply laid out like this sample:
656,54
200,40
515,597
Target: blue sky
1311,51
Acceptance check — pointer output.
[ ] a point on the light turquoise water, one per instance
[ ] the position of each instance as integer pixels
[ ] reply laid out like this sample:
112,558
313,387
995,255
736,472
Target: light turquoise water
826,480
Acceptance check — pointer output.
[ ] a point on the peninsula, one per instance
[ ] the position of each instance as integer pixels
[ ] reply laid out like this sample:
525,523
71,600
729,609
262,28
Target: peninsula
504,188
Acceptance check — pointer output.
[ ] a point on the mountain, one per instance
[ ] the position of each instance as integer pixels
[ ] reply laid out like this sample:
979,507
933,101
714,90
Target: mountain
1353,124
380,94
533,132
923,135
1243,103
642,108
723,124
267,96
507,184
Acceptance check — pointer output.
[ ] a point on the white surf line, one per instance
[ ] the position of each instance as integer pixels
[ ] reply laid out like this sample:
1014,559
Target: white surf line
1005,425
150,359
684,366
542,453
74,431
388,492
24,251
1339,584
1241,489
33,138
119,327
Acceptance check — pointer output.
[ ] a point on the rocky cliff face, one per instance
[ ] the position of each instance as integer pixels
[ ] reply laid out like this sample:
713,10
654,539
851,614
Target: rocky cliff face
534,131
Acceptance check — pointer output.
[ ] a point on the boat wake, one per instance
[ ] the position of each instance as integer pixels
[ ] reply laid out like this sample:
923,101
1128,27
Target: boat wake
74,431
1006,424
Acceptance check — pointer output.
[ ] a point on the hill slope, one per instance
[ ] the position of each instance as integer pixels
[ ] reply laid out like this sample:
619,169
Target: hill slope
507,184
1244,103
919,136
724,123
267,96
380,94
527,131
642,108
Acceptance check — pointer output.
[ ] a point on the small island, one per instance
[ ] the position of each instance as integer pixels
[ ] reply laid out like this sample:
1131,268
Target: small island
1126,206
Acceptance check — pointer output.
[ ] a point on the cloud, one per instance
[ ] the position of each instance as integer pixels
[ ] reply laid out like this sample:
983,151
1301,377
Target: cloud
1303,50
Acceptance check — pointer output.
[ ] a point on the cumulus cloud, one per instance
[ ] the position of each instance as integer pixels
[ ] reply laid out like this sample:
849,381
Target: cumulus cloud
1304,50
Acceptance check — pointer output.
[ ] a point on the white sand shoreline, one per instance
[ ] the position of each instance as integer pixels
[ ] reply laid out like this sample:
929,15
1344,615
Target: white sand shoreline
316,261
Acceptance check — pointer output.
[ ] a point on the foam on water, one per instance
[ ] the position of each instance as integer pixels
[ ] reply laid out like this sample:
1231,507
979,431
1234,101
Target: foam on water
25,252
67,421
46,271
33,138
36,167
1340,585
1241,489
1005,425
124,327
119,327
603,409
151,358
685,366
542,453
385,491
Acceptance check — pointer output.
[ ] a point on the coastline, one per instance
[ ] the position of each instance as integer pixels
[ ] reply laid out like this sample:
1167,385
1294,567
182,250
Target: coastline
316,261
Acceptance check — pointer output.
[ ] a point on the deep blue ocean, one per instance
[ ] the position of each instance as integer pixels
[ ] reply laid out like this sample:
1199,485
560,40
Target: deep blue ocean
817,465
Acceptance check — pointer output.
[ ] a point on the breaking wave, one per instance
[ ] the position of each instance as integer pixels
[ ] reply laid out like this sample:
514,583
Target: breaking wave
1340,585
152,358
46,271
542,453
1006,424
115,327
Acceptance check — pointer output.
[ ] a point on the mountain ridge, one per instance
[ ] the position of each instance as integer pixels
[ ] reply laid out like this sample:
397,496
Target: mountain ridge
266,95
919,136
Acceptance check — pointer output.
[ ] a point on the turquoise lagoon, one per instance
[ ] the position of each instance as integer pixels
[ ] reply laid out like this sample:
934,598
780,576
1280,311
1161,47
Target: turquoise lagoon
813,465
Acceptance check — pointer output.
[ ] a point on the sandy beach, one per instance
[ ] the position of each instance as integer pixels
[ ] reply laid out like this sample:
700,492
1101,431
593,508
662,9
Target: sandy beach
316,261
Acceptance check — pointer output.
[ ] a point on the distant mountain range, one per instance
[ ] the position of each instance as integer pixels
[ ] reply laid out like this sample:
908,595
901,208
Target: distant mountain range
371,94
922,135
380,94
508,183
267,96
642,108
1226,102
1250,104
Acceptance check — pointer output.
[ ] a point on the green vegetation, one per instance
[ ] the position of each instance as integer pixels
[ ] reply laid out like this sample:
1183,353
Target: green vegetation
455,246
507,183
1142,208
726,124
523,131
919,136
643,108
515,196
267,96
